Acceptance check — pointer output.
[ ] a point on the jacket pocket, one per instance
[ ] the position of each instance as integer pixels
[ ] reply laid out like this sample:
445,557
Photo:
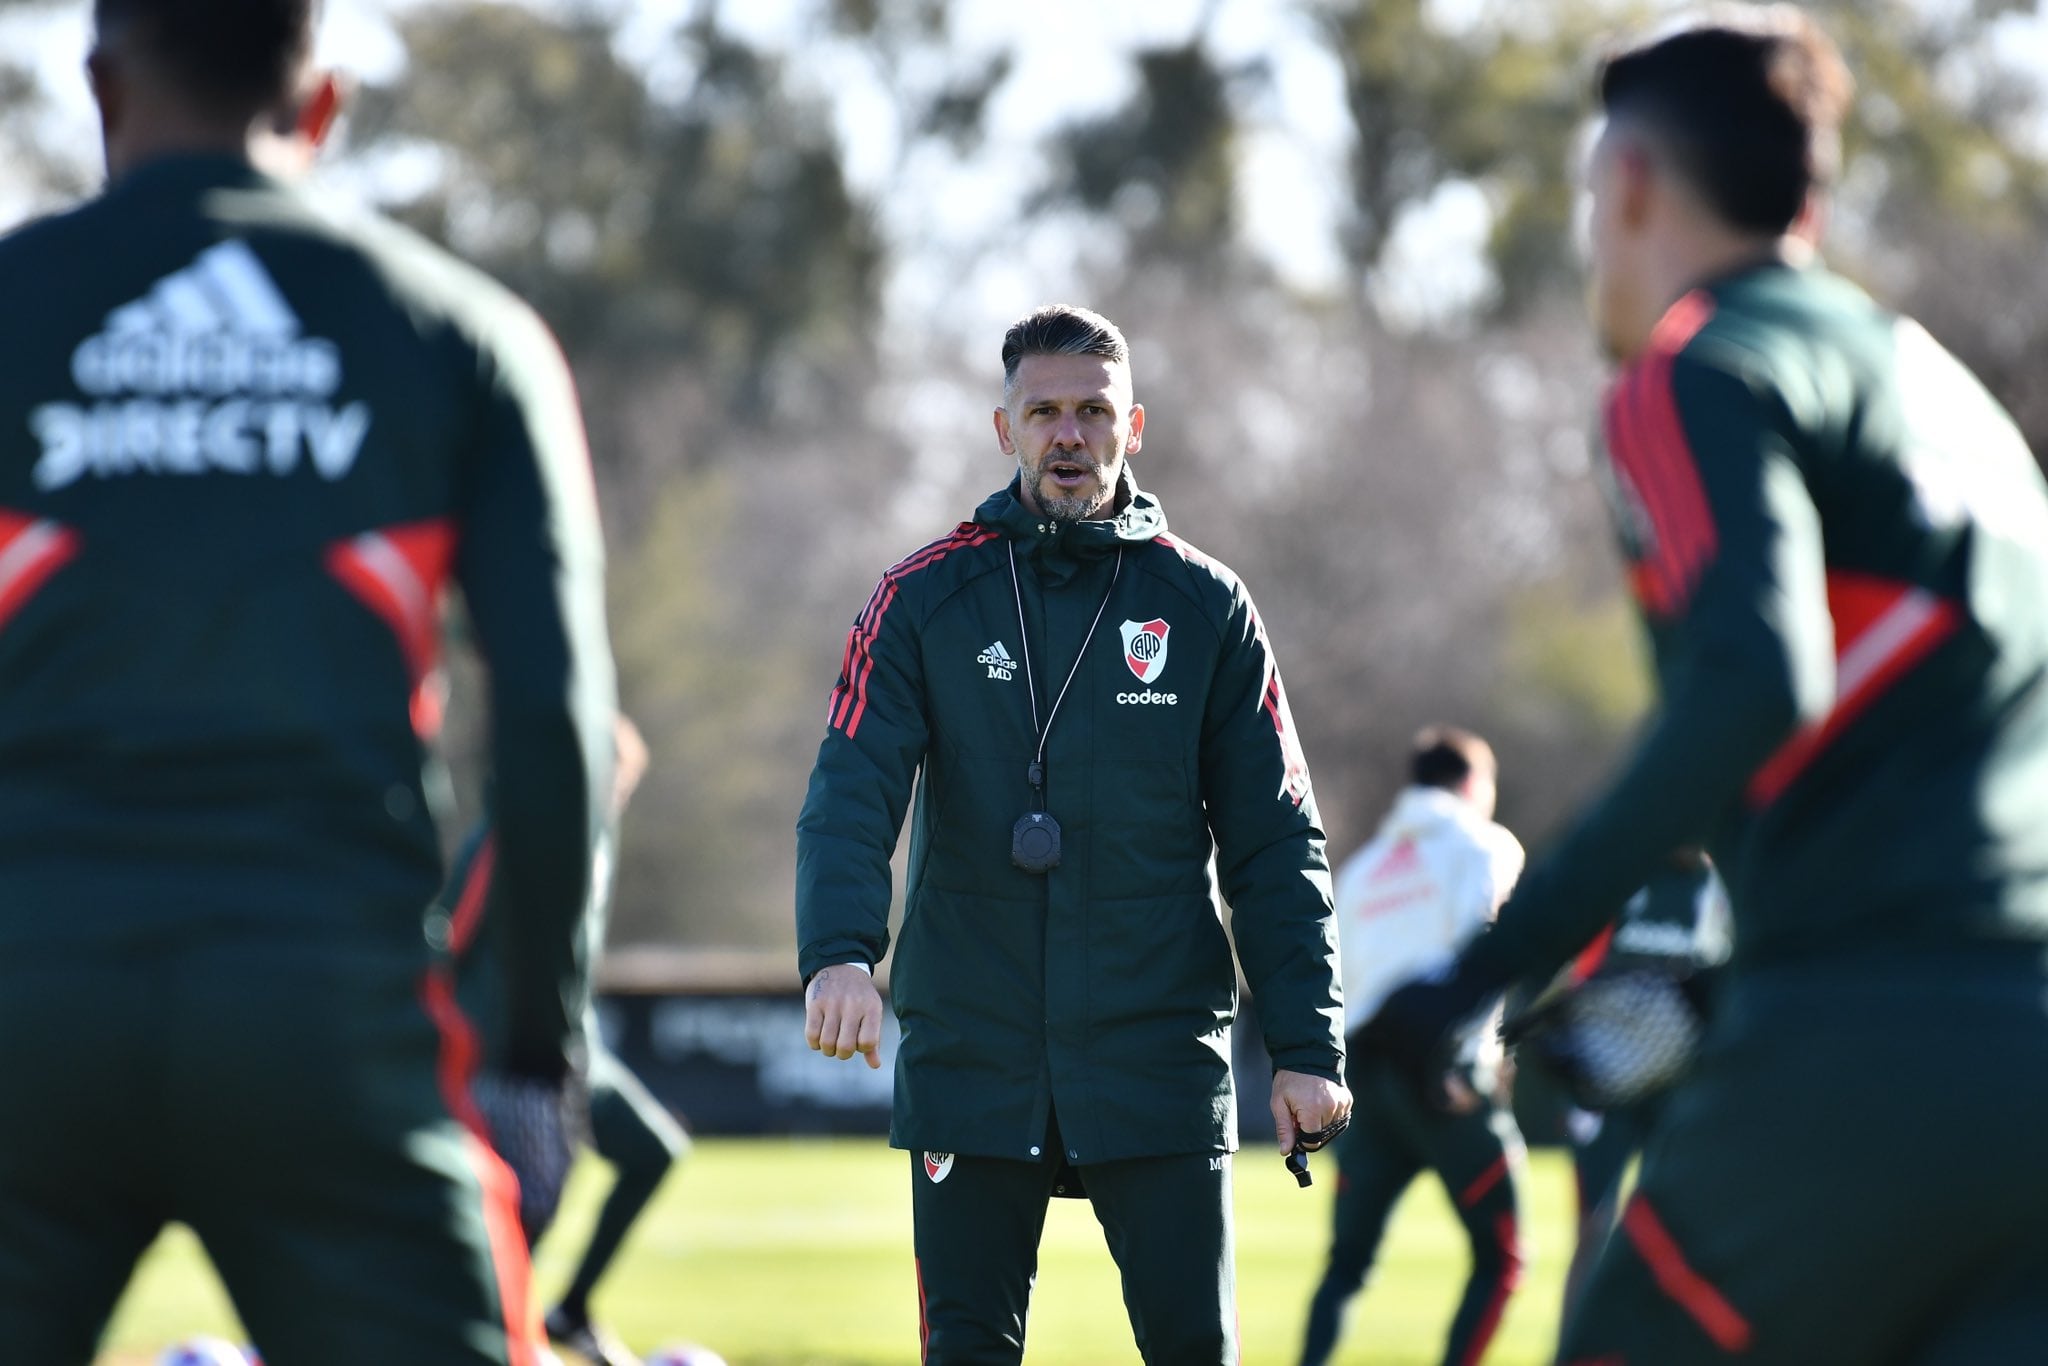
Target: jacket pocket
969,974
1163,979
1147,835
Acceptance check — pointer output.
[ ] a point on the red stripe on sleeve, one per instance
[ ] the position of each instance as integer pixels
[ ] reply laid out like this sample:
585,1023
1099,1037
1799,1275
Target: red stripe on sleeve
1688,535
1694,540
850,696
842,690
476,893
1882,629
857,703
31,549
398,572
1648,576
1647,440
1668,541
1692,1292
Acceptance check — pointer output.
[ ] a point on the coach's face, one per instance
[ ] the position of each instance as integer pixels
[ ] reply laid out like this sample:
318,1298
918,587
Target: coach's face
1069,422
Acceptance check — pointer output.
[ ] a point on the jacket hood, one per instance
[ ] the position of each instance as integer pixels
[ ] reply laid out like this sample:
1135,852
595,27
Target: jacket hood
1035,534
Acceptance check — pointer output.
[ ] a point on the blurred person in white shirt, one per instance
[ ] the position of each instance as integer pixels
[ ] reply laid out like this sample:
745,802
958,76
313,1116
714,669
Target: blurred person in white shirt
1430,879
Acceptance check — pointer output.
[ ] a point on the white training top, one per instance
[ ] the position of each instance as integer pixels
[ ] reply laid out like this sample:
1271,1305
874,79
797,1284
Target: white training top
1431,878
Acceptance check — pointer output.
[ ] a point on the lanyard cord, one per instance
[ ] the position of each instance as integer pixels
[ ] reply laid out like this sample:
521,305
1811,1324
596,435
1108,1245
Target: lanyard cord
1030,681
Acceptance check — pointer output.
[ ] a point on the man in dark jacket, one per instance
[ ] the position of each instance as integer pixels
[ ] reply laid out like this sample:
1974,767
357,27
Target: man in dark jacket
1094,710
247,438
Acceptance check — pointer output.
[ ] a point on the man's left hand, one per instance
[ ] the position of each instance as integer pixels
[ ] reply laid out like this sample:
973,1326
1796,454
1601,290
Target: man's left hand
1303,1104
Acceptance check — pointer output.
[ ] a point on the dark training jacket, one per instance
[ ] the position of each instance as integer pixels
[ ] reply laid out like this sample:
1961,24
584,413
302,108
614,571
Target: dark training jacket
1839,544
246,439
1104,988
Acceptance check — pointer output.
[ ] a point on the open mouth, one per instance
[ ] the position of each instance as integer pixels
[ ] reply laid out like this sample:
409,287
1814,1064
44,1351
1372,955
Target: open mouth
1068,473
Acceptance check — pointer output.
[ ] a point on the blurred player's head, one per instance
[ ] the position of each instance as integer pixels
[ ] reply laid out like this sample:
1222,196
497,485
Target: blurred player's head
1456,761
1067,414
209,75
1719,135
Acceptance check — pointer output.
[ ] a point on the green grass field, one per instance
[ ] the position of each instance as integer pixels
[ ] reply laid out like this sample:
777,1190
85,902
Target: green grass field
797,1253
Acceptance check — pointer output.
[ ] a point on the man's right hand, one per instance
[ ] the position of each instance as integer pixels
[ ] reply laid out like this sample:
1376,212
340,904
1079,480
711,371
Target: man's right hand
843,1013
1417,1029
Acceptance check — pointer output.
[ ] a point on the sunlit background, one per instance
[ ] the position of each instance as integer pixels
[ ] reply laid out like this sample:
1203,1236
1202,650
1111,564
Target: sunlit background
780,240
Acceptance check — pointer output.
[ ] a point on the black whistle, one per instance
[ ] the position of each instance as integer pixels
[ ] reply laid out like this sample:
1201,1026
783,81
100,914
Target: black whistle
1297,1162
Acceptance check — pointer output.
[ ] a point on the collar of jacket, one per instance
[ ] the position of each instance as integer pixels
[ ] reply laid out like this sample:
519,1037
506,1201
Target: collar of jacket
1059,549
178,173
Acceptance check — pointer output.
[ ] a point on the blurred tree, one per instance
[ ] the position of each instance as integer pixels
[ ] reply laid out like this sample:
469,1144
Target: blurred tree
1162,166
714,283
1497,103
1502,98
714,227
40,169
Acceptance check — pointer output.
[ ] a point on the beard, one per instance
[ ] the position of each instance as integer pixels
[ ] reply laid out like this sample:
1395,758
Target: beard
1081,505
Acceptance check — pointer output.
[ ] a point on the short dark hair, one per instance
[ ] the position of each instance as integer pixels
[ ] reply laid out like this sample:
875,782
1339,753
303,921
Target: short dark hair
1061,330
1445,756
229,56
1748,100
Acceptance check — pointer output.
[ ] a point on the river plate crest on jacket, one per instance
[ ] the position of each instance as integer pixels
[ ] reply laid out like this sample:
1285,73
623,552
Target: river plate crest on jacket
1145,647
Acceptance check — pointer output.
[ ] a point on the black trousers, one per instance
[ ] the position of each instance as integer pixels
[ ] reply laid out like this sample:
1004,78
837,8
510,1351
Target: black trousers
1167,1221
1394,1138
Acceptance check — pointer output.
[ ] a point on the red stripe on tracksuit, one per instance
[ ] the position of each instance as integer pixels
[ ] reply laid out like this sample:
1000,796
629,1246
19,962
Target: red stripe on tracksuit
1485,1182
850,697
1185,551
858,659
506,1242
1510,1276
31,549
1646,441
1693,1293
476,893
1593,955
397,572
1293,763
924,1323
1882,629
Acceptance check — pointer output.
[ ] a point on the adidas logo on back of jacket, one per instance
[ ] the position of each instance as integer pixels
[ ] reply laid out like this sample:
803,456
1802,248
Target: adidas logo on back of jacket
208,371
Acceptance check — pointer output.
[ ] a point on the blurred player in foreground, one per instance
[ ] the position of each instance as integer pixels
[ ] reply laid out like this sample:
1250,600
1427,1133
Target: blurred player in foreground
1839,542
246,438
1429,880
629,1128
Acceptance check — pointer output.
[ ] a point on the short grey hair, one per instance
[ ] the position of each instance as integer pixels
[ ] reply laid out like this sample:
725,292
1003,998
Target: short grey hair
1060,330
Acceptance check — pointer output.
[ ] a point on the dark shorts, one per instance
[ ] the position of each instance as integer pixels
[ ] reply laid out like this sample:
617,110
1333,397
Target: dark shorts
297,1105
